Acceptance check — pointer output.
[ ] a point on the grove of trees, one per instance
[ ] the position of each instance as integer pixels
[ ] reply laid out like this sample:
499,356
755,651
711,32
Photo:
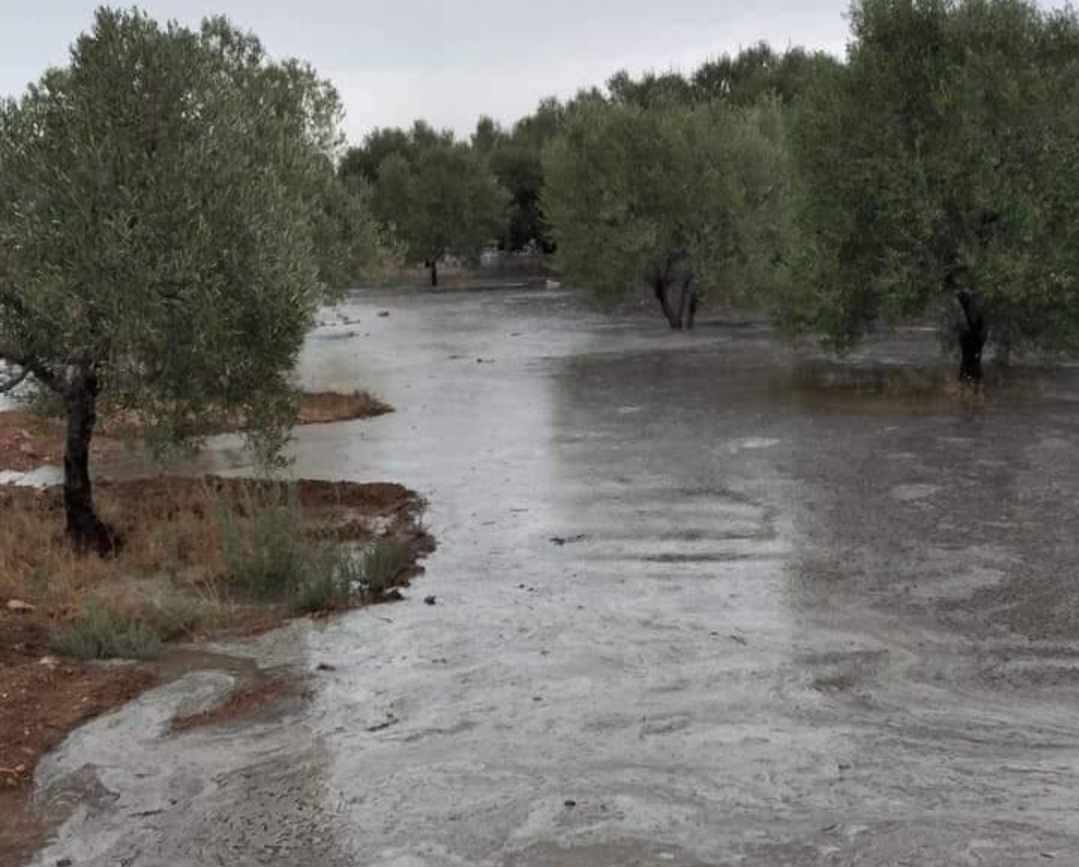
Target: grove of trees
174,204
931,174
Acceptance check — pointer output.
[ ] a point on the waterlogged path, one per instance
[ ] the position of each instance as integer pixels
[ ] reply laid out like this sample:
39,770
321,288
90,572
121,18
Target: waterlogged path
699,602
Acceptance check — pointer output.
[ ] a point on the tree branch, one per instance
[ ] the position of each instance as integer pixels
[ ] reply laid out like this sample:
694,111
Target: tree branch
14,382
9,300
29,365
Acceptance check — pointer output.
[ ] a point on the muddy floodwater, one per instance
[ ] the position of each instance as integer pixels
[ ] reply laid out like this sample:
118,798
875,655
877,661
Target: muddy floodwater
699,600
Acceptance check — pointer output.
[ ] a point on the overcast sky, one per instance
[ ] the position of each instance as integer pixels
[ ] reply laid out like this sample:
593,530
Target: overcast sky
449,62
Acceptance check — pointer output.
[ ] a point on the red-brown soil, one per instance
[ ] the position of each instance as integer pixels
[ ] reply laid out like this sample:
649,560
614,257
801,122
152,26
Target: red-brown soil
28,440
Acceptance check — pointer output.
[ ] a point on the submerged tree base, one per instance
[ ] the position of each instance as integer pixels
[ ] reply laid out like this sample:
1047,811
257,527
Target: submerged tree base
682,318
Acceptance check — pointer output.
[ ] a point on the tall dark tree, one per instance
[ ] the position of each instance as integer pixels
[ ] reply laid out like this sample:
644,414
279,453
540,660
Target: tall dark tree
515,157
487,137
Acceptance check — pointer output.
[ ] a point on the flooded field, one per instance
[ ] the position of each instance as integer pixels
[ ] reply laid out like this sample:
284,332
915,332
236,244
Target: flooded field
698,600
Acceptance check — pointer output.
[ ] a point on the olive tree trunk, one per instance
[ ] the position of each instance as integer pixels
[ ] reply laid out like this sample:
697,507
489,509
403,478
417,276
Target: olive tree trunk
85,530
688,310
973,333
434,272
661,286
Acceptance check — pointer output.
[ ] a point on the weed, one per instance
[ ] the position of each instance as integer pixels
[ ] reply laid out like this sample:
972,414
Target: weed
326,583
333,575
269,556
100,633
266,555
174,615
383,563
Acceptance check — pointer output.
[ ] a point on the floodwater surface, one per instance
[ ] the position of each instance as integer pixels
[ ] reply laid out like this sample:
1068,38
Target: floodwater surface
699,600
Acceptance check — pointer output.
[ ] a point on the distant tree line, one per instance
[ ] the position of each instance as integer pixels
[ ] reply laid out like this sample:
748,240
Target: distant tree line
932,173
513,159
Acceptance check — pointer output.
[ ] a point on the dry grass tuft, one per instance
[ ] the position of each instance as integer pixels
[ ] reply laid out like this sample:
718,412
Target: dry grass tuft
198,555
327,406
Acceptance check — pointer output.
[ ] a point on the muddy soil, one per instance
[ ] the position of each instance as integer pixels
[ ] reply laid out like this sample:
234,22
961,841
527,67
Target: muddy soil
42,698
329,406
799,613
28,441
242,704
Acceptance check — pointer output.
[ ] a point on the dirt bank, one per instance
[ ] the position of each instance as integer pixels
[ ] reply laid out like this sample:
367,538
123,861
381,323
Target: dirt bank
28,440
328,406
171,574
41,699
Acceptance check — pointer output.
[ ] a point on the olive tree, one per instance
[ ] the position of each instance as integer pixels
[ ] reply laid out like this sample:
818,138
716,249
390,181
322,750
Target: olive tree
939,176
681,199
163,222
515,158
439,197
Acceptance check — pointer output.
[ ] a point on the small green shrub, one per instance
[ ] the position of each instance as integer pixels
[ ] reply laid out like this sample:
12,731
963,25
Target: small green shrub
100,633
334,575
174,616
325,583
266,555
383,562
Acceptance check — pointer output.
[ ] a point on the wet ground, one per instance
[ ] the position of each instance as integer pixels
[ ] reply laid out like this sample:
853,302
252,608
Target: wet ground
699,601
